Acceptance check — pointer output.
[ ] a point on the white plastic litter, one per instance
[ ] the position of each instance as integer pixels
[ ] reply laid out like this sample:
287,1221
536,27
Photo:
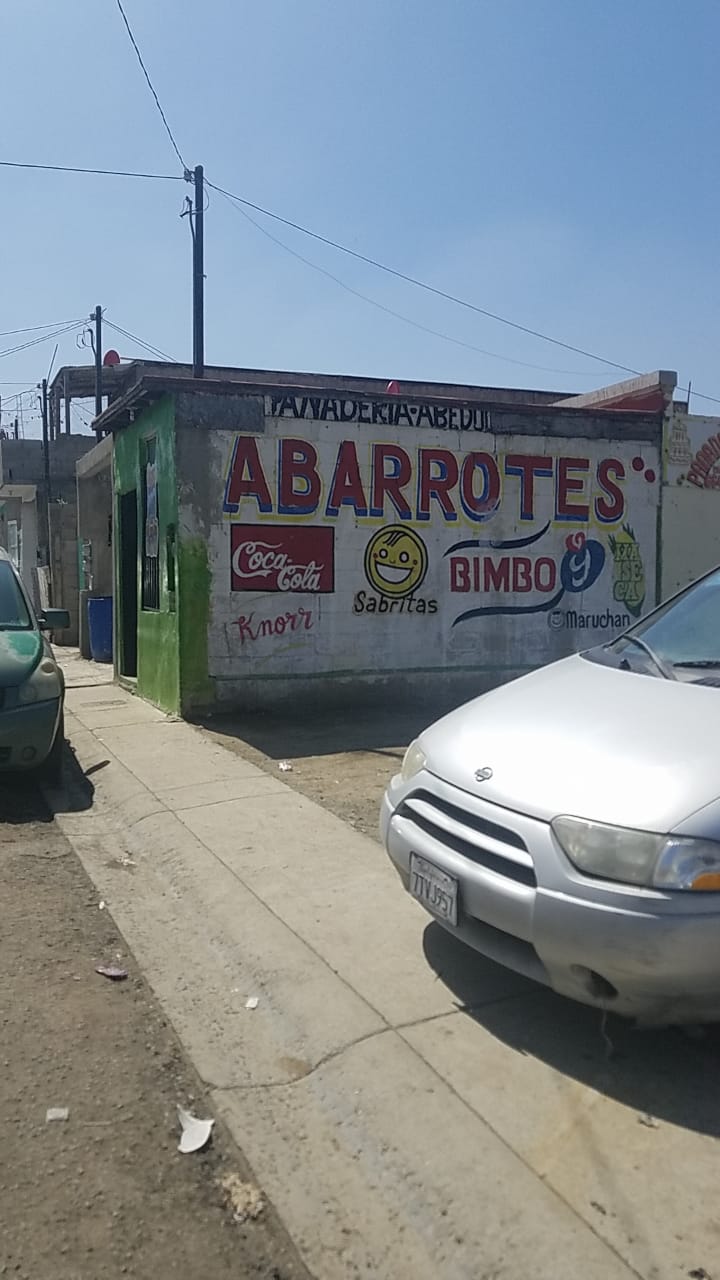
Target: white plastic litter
252,1002
195,1133
56,1113
285,766
101,906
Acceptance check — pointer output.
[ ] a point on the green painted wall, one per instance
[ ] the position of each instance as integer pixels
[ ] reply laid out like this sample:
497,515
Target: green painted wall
196,687
158,650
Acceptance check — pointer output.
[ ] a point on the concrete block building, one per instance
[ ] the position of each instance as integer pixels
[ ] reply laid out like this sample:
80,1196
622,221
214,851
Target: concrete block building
284,537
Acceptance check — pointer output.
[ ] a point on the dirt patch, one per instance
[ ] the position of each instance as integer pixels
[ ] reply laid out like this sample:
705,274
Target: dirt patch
103,1194
343,760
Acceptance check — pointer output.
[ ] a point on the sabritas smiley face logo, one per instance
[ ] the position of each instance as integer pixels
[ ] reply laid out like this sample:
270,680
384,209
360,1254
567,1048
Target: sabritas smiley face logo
395,561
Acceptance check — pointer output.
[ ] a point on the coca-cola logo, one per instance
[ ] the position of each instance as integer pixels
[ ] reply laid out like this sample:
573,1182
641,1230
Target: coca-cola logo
290,558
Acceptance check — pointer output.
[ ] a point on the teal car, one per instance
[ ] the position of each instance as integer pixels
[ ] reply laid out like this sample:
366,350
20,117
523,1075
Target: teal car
32,688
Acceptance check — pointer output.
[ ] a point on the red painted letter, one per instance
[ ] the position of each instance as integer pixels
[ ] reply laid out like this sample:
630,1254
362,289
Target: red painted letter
298,480
346,488
437,485
610,509
527,466
480,506
391,484
521,574
567,484
245,458
459,573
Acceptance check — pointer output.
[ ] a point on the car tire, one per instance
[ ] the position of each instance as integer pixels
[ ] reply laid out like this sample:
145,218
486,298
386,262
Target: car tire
52,767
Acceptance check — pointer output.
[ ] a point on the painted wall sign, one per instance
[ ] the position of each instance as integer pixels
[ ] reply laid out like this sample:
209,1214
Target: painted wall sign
373,413
416,485
294,558
692,451
422,551
252,628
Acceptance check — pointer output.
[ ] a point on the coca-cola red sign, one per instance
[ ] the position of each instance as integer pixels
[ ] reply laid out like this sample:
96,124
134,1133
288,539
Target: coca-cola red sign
282,557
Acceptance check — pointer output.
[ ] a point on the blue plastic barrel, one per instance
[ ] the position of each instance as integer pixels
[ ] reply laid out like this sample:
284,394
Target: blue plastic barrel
100,628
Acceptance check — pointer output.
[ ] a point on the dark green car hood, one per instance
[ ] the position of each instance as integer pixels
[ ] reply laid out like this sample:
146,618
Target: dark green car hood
19,655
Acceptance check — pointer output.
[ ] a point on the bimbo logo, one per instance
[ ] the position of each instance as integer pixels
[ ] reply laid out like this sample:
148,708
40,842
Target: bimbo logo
288,558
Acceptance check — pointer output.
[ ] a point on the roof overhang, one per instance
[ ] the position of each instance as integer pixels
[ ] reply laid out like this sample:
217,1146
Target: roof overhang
21,492
650,392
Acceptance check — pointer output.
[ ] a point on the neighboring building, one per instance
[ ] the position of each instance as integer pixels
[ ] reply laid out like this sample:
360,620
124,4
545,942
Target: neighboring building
94,531
288,536
46,556
691,498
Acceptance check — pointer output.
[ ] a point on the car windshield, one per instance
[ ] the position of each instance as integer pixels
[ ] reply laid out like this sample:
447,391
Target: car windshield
683,634
14,615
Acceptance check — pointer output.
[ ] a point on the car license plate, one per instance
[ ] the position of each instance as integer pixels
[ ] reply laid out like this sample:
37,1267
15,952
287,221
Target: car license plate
434,888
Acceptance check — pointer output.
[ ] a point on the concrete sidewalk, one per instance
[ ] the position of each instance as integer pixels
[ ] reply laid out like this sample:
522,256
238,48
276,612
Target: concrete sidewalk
410,1109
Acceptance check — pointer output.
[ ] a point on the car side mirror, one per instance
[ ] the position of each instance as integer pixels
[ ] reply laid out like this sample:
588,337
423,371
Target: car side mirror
54,620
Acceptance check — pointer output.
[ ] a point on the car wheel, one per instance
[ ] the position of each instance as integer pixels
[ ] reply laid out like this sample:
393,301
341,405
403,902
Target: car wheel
52,767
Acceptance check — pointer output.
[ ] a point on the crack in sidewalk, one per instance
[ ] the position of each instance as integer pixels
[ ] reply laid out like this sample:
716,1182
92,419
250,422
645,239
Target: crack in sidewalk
333,1054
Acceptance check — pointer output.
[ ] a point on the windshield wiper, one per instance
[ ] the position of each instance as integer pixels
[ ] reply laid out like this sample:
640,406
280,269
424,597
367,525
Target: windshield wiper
666,672
699,662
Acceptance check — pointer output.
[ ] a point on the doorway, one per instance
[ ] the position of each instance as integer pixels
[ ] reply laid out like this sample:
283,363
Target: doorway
128,568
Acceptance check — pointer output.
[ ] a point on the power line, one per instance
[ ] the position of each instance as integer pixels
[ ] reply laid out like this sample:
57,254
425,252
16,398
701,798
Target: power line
436,333
440,293
33,328
45,337
150,84
134,338
107,173
380,266
421,284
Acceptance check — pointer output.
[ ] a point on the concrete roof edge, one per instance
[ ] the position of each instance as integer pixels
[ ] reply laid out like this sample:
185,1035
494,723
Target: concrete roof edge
664,380
152,385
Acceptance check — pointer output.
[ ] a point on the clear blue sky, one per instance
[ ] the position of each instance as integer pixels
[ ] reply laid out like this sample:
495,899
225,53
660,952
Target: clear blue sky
553,160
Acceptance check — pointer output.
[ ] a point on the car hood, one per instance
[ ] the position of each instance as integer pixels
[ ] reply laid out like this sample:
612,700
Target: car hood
587,740
19,655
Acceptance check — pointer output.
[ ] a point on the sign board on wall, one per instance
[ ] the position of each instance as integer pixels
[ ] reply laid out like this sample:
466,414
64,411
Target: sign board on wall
360,537
692,451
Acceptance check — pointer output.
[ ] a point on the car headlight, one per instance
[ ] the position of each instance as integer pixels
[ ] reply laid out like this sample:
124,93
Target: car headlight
414,760
639,857
42,686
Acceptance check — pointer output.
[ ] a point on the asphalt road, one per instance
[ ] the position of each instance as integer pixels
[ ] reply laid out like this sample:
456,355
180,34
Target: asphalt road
105,1193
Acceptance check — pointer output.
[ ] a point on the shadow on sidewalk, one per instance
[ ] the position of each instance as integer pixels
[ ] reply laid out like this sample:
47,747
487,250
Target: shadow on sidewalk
658,1073
22,799
299,732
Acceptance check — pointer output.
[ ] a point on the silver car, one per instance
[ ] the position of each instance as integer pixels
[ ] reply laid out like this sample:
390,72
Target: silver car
567,824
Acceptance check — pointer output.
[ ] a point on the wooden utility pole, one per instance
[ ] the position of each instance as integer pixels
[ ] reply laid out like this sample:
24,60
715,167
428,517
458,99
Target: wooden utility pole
98,361
46,468
198,276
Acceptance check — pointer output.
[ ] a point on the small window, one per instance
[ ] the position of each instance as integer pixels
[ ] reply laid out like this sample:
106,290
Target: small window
151,531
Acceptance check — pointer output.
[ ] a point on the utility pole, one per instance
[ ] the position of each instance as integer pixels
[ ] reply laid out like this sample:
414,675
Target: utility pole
46,465
45,438
98,361
198,277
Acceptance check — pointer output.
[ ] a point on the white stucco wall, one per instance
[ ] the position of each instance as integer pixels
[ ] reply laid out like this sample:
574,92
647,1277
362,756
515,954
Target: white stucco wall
691,499
490,554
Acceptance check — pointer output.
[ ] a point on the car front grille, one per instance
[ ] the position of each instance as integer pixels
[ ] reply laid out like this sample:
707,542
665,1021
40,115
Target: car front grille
496,847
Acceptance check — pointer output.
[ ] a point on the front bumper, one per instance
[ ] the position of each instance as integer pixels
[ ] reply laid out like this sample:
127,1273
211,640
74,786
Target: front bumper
27,734
645,954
